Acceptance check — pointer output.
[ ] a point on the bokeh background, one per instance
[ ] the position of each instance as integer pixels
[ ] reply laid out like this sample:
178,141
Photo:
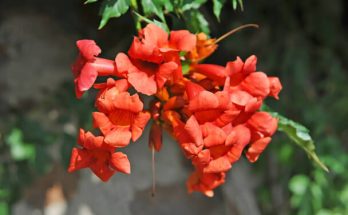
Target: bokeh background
305,43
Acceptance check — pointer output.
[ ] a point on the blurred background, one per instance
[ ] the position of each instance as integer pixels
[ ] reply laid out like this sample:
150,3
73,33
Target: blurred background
305,43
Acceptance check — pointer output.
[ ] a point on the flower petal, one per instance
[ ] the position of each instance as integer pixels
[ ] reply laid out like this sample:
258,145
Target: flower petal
87,77
204,156
125,101
120,162
88,48
103,171
182,40
101,121
142,82
80,158
234,69
146,47
191,149
194,131
276,87
214,72
250,65
213,135
78,92
139,124
118,137
257,84
238,139
240,135
221,164
240,97
256,148
264,123
123,63
165,72
203,101
192,89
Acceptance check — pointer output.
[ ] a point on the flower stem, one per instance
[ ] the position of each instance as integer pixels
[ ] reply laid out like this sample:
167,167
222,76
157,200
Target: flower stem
234,31
134,5
153,172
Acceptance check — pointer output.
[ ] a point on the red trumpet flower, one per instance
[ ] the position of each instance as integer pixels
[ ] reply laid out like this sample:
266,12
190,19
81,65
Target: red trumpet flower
88,66
121,118
98,156
154,58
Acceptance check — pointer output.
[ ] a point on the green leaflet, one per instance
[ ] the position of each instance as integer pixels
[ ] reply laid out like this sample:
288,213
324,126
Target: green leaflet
113,8
235,4
168,6
18,148
241,4
191,5
4,208
217,7
90,1
151,7
196,22
186,67
300,135
161,8
161,25
158,23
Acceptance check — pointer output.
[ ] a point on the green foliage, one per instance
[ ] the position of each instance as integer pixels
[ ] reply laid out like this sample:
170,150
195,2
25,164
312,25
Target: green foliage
154,21
218,7
153,7
190,5
235,4
159,11
4,210
24,156
316,193
300,135
18,148
25,145
113,8
197,22
90,1
306,48
306,44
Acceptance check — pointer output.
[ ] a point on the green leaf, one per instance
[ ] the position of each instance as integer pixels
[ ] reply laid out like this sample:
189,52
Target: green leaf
90,1
185,67
18,148
192,5
300,135
168,6
235,4
111,9
151,7
154,21
217,7
298,184
196,22
241,4
4,208
161,25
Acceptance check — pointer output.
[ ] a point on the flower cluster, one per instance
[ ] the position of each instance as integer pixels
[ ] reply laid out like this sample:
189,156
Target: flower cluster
212,111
